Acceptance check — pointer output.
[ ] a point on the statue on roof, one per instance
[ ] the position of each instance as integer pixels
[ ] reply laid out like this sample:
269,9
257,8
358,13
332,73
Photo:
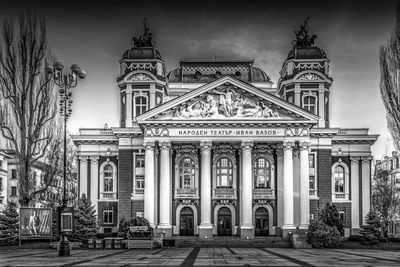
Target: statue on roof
145,39
303,37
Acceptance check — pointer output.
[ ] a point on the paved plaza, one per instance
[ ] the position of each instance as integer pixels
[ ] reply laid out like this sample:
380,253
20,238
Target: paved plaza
224,256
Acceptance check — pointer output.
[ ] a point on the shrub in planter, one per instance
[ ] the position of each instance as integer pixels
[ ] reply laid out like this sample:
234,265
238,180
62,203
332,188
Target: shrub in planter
321,235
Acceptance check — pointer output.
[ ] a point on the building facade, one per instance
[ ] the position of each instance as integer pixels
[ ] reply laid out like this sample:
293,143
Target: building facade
213,148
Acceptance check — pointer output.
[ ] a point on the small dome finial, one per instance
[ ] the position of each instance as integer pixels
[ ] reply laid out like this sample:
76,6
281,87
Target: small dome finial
303,37
145,39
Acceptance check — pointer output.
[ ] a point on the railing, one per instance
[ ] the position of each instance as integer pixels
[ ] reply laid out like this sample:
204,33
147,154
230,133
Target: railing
340,196
186,193
263,193
108,195
138,191
313,192
224,193
98,131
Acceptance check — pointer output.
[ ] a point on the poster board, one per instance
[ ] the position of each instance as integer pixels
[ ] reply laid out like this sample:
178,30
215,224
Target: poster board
35,223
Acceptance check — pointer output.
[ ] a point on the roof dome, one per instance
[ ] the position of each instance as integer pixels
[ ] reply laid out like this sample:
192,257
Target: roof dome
258,75
310,52
142,53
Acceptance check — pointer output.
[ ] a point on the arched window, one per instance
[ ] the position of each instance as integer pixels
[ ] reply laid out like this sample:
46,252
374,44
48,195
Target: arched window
108,178
309,103
186,173
140,105
339,181
224,172
262,173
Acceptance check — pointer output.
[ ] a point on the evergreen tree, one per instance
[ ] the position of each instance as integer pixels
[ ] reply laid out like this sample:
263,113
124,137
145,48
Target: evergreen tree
9,221
371,232
85,219
330,216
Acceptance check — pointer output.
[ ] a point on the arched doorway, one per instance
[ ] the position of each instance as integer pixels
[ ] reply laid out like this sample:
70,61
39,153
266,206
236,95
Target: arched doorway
224,222
186,222
262,221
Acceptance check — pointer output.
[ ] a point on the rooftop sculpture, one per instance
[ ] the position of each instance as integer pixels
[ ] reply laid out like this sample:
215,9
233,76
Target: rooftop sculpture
303,37
145,39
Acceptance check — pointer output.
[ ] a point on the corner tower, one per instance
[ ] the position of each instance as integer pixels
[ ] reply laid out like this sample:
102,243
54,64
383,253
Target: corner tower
305,79
142,80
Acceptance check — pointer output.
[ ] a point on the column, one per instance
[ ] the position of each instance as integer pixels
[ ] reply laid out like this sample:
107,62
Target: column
165,188
366,187
287,186
94,181
205,229
304,186
152,96
279,159
297,90
355,195
321,105
149,183
83,186
129,100
246,196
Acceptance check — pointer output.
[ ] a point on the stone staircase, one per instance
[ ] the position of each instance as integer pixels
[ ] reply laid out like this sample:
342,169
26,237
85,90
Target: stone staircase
232,241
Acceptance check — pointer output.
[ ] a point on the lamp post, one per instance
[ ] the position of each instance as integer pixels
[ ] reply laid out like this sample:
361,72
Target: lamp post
65,82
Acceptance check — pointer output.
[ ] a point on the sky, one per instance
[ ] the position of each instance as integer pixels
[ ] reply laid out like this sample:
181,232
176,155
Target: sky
94,35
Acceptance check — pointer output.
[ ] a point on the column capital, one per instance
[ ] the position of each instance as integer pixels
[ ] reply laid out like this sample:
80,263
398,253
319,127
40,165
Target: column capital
247,145
83,159
149,144
304,145
94,160
205,145
288,145
366,160
354,160
164,145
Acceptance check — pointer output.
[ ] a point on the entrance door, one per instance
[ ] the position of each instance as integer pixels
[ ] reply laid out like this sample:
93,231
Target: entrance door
262,222
224,222
187,222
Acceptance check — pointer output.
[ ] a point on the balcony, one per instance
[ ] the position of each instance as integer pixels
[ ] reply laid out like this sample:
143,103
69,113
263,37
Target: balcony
263,193
138,191
340,196
108,195
224,193
186,193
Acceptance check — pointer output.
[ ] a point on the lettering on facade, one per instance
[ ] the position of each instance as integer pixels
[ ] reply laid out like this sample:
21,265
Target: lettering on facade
230,132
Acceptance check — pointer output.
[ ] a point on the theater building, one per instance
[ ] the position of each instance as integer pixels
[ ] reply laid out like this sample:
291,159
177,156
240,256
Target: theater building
213,148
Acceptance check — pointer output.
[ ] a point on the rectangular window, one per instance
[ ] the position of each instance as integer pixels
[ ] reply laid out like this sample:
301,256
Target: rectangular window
14,174
139,214
1,164
139,161
1,184
342,216
13,191
108,216
312,173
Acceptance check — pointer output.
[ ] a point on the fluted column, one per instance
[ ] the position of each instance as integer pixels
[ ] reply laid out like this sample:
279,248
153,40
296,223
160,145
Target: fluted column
246,196
205,229
304,186
288,185
366,187
165,188
83,185
149,183
94,181
355,195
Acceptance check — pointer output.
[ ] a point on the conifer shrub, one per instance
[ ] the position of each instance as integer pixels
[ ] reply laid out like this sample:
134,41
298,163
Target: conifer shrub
321,235
371,232
85,220
9,222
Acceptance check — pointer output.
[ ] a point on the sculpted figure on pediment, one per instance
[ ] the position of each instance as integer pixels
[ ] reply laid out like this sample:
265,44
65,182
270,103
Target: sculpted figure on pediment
225,104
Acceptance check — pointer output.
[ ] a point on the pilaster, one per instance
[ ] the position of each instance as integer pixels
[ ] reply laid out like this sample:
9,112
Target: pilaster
304,186
355,196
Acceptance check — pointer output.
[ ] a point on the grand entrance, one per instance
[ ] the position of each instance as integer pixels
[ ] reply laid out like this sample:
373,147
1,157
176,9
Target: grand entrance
262,222
224,222
186,222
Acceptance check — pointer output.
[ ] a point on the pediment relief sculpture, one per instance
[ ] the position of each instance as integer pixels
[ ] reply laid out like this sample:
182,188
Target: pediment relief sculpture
225,103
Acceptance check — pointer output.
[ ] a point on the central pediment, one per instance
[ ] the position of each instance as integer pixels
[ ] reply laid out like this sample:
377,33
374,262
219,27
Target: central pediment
226,99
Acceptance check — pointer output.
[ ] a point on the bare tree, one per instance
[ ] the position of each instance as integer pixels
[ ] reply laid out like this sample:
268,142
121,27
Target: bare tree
389,55
385,200
28,112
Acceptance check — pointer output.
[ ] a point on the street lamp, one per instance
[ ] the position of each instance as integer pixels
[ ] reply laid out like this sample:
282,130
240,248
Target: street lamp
65,82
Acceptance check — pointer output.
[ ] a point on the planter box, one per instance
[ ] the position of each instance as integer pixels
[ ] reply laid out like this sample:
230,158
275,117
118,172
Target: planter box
117,243
99,243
